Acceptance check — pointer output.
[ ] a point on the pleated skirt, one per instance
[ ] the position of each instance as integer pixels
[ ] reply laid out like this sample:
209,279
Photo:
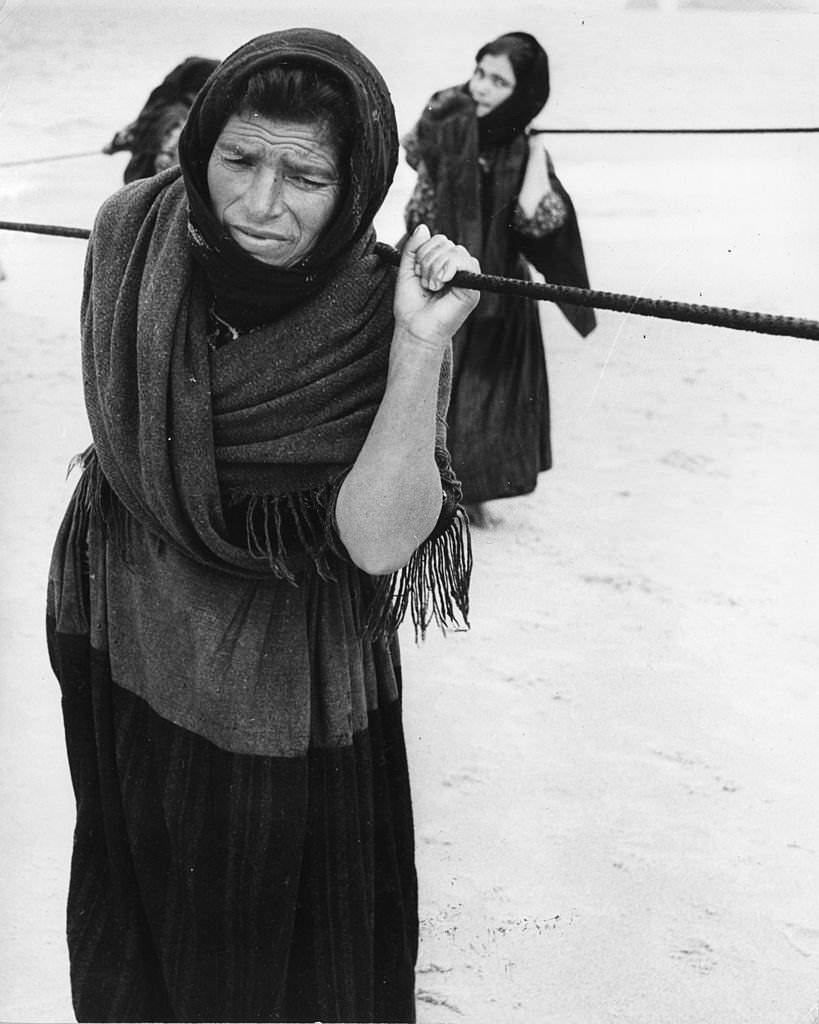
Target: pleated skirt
210,885
499,425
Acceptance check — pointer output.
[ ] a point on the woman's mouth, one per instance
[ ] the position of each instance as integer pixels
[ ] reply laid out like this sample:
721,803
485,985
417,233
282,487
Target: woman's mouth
258,236
269,247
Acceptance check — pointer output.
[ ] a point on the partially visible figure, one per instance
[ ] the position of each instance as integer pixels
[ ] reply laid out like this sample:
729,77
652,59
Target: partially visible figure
486,183
153,137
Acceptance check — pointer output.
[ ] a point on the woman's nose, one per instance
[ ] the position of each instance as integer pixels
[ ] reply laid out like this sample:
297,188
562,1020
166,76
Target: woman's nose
263,197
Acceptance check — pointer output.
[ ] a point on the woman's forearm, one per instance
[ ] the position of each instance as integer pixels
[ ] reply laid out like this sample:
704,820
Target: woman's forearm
536,182
391,498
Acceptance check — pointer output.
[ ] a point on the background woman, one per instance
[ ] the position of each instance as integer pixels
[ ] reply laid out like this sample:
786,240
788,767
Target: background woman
483,181
153,138
267,493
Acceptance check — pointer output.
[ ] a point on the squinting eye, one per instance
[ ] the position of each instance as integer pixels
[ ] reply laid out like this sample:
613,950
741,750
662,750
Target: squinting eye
309,184
237,159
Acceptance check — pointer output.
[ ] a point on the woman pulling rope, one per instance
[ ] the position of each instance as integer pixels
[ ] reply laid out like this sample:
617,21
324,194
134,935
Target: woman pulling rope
487,184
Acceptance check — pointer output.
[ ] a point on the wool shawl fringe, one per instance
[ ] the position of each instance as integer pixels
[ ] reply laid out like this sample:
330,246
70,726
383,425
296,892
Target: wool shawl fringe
95,500
309,512
93,495
433,586
267,519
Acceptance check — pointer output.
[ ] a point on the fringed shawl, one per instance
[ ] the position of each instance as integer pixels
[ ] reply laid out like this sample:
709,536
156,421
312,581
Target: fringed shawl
200,556
214,632
178,428
274,419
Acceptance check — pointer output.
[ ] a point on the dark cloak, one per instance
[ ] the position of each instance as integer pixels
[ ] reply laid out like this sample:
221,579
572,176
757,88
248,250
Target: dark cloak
166,104
499,430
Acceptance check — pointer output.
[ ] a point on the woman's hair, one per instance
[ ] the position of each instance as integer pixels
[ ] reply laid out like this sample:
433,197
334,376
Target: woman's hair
303,94
519,47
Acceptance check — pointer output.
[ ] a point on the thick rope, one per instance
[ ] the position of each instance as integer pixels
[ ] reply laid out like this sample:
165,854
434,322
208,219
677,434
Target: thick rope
670,131
665,309
45,229
532,131
50,159
716,316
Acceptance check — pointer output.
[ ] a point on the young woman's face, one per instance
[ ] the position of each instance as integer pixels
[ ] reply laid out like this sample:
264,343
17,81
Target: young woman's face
492,81
274,186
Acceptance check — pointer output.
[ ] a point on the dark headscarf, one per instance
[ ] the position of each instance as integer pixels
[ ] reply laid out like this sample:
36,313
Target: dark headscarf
247,290
474,197
531,66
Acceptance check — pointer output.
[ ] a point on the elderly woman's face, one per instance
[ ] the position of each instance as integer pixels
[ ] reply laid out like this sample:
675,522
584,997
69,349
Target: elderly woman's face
274,186
492,81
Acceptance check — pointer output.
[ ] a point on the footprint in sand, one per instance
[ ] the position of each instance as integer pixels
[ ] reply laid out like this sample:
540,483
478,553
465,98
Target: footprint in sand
459,779
698,955
433,999
621,583
701,464
805,940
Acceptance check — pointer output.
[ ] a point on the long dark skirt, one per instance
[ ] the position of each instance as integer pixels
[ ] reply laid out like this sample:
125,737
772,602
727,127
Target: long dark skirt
499,411
207,885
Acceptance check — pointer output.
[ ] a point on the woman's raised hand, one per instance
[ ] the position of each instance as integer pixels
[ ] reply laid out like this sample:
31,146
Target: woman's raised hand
425,306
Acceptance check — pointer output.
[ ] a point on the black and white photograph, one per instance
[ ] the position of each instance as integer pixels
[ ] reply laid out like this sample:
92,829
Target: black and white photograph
410,436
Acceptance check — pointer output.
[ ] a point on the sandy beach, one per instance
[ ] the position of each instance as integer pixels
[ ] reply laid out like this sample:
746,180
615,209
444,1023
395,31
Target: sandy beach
615,770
